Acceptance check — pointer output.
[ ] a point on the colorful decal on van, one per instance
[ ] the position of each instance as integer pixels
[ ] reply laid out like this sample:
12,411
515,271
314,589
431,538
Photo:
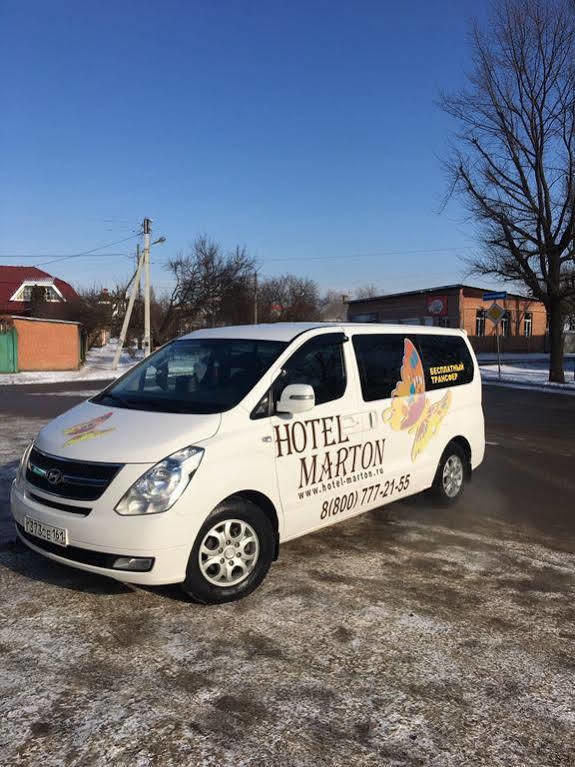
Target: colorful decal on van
410,408
87,430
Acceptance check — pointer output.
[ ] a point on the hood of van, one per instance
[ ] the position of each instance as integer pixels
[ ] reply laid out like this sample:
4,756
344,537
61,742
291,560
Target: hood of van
93,432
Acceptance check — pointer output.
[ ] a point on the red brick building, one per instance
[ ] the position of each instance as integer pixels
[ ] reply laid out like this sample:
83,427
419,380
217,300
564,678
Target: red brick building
29,343
523,328
47,344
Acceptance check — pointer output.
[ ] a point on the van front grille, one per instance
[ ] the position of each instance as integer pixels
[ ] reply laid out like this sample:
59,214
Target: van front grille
83,511
76,480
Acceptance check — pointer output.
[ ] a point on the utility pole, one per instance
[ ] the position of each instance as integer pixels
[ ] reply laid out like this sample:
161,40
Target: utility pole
143,267
139,299
255,298
147,340
126,323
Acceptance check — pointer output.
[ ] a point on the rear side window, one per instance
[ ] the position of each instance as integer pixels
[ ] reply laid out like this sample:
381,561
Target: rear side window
446,361
379,359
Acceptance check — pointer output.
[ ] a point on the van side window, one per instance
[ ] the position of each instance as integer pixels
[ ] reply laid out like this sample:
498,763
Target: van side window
319,363
446,361
379,358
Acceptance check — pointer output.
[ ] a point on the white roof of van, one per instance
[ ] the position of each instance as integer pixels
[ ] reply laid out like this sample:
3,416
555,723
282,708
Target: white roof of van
287,331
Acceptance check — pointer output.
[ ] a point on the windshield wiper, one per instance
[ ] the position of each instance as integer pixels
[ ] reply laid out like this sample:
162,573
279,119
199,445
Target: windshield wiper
115,398
157,404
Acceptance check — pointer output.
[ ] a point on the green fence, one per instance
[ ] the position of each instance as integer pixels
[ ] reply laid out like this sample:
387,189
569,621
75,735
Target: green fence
8,351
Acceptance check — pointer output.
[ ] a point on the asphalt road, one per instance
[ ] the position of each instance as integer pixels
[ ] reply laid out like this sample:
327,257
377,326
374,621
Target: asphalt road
406,636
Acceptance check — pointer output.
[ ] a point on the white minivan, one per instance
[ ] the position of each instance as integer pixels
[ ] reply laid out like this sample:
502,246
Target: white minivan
194,466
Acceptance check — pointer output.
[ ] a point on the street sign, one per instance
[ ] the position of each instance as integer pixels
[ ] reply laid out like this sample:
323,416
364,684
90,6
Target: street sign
495,313
493,296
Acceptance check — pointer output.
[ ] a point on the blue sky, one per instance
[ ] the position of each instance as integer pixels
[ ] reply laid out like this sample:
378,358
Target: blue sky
305,130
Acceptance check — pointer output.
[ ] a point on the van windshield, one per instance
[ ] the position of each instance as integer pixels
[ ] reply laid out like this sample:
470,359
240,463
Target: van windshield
194,376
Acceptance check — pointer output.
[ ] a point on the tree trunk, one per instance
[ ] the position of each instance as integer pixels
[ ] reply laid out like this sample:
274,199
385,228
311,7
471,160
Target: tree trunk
555,317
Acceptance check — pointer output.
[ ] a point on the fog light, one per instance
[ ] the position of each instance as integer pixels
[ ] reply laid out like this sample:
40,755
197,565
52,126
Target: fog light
133,563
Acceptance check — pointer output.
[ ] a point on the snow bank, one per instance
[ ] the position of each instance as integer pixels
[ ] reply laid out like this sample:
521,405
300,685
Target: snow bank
98,367
531,374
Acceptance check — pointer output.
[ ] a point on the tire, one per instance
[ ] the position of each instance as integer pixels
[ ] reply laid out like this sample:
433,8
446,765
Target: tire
231,554
449,482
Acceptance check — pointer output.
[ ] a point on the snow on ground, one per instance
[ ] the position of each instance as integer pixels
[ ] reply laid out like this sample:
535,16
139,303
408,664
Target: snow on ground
532,374
98,366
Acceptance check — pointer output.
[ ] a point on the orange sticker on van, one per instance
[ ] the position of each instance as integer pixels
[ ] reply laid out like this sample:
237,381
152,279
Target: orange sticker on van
87,429
411,409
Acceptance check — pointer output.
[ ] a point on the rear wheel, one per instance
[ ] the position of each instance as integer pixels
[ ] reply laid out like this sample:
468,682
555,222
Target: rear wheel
232,553
449,481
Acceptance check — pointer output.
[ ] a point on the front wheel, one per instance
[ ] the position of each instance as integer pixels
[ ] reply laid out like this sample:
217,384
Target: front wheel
231,554
449,481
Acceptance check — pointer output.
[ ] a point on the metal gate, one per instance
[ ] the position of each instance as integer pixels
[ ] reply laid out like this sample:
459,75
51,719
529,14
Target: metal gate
8,347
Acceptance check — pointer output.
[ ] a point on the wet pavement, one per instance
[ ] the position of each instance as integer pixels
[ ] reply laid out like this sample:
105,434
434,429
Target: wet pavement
406,636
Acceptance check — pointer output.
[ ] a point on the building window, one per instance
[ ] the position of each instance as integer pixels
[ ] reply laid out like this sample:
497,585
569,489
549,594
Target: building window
528,324
444,322
506,324
367,317
25,293
480,322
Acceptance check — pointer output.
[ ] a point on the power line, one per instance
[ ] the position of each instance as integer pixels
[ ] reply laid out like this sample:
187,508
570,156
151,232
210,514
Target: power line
374,254
91,252
59,255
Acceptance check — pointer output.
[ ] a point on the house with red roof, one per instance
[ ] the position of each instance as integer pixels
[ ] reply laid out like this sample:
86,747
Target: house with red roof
17,283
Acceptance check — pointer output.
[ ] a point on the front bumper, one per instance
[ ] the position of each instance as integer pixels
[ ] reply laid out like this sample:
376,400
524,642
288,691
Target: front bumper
95,541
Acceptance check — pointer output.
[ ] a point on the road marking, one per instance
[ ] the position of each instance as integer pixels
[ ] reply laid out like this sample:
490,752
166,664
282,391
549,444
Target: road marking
493,444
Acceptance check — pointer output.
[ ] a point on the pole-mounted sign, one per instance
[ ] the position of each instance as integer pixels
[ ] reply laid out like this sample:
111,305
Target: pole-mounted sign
496,313
495,296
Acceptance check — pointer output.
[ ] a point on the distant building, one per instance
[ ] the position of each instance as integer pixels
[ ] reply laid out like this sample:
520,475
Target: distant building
523,328
17,283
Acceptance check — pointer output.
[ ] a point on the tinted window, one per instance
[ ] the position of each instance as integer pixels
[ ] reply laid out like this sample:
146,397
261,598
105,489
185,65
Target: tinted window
446,361
379,360
194,376
319,363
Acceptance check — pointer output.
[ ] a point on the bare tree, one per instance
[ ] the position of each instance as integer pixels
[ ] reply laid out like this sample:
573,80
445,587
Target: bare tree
289,299
369,290
84,308
209,286
513,161
333,307
38,306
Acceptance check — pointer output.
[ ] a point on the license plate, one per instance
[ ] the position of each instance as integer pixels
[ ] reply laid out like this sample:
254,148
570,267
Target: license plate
48,533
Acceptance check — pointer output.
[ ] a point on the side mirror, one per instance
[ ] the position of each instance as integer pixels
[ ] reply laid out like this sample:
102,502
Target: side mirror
296,398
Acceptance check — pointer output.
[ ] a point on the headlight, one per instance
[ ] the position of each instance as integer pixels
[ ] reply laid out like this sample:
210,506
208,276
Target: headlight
161,486
21,473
